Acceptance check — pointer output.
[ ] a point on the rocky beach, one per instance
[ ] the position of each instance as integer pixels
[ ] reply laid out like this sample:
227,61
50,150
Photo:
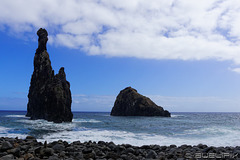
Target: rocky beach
30,149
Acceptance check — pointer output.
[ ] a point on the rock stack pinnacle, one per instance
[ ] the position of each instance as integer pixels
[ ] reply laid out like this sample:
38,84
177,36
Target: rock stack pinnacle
130,103
49,95
42,40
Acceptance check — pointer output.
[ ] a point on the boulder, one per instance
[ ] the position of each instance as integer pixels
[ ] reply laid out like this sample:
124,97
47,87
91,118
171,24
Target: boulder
130,103
6,145
49,95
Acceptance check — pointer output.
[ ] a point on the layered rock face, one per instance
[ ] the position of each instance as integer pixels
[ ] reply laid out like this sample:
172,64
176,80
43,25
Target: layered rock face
130,103
49,95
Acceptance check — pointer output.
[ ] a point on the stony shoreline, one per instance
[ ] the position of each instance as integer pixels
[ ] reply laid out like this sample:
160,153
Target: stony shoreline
31,149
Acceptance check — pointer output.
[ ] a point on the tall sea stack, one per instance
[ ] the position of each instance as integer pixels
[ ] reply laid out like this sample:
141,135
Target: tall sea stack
49,95
130,103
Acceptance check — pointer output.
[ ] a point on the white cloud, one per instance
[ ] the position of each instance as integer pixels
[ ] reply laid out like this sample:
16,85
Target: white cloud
237,70
153,29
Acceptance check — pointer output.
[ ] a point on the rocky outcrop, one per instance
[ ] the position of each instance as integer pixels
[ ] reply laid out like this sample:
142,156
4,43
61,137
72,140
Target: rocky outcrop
49,95
130,103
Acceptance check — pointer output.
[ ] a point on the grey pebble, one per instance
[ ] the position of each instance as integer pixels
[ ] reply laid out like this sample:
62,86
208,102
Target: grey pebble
6,145
7,157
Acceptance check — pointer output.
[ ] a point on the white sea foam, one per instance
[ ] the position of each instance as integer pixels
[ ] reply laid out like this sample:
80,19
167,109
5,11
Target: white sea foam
18,116
13,135
123,137
86,120
4,132
3,129
208,131
174,116
45,125
189,134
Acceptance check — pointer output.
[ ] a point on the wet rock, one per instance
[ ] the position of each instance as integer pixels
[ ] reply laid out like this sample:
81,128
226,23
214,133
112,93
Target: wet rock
6,145
99,153
207,149
120,148
145,147
58,147
24,147
101,143
70,149
62,154
53,158
7,157
201,146
15,152
112,146
28,156
151,154
30,137
3,154
180,159
46,152
87,150
132,156
79,155
89,155
130,150
173,146
125,157
112,155
130,103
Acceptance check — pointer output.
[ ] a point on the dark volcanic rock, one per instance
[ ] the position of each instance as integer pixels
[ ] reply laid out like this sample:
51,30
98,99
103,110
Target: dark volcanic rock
42,40
49,95
130,103
6,145
92,150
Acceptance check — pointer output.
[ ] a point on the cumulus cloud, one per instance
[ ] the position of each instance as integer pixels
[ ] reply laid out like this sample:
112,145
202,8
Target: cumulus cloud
237,70
153,29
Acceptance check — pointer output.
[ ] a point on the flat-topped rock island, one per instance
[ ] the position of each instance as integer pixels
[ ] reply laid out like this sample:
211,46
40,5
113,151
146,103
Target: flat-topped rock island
130,103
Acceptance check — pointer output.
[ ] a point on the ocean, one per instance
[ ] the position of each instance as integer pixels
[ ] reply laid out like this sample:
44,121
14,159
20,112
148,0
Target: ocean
214,129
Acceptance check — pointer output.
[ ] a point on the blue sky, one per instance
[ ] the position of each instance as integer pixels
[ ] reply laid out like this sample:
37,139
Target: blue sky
183,54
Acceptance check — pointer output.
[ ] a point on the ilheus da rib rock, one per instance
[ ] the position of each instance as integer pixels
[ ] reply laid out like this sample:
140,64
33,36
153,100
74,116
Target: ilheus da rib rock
130,103
49,95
